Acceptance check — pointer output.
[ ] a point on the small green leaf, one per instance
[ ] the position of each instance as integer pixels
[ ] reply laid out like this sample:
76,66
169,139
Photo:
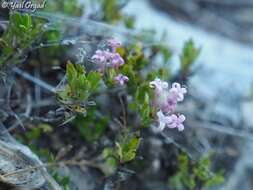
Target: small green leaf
188,56
94,80
127,150
71,72
191,173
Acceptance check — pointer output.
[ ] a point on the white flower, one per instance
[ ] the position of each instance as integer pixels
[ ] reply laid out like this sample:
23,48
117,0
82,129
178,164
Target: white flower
178,91
177,122
159,85
163,120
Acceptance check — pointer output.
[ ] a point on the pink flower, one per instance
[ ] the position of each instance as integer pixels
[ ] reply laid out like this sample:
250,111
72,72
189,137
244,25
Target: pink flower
159,85
100,56
117,60
163,120
166,101
121,79
177,122
169,105
178,91
114,44
106,58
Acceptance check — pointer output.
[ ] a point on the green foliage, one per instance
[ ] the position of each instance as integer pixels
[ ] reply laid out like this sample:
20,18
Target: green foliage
203,173
190,175
53,53
110,163
136,57
129,21
79,87
70,8
21,23
32,137
20,35
53,35
126,148
90,127
36,132
183,178
62,180
111,11
188,56
109,77
143,103
164,51
124,152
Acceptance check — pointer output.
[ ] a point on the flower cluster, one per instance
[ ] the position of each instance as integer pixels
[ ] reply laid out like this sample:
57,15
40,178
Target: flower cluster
166,101
121,79
109,58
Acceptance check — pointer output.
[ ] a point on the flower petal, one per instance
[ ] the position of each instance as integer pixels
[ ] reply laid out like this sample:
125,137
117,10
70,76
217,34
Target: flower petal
180,127
176,85
172,125
181,118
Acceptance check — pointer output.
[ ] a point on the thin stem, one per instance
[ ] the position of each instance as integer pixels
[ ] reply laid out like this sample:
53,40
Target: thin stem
123,110
34,80
69,162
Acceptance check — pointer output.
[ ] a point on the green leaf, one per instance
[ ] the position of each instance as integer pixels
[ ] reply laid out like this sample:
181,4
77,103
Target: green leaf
215,180
80,69
71,72
191,173
78,88
94,80
89,127
189,55
126,150
110,164
110,75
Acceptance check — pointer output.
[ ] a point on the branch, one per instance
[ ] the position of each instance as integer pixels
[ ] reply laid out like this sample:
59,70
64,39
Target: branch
34,80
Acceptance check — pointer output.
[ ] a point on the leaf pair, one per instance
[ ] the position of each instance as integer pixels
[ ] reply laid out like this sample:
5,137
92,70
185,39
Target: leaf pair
188,56
126,150
79,87
21,23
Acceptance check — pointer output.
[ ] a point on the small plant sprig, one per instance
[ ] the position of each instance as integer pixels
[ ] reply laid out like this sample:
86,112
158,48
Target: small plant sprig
79,87
109,62
125,150
188,57
20,35
111,13
70,8
192,175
